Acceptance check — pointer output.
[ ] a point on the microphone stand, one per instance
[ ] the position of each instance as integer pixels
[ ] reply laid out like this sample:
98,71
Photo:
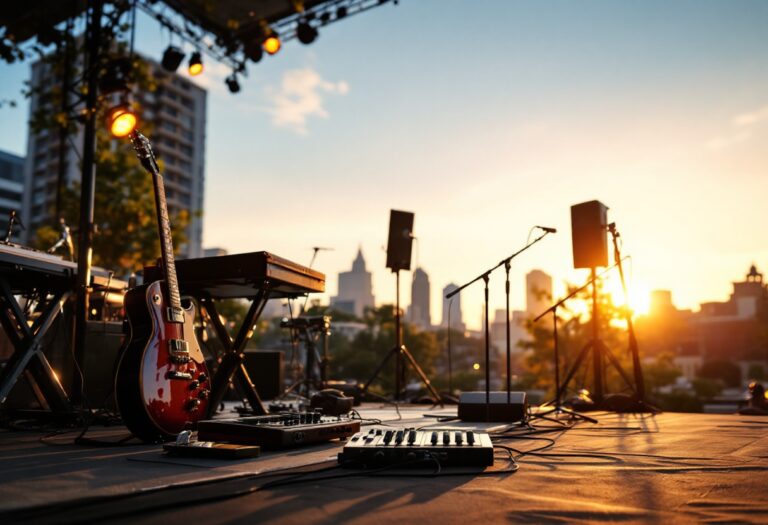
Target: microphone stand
558,408
485,276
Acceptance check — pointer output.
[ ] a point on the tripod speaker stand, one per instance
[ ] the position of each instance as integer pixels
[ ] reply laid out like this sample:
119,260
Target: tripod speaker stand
399,258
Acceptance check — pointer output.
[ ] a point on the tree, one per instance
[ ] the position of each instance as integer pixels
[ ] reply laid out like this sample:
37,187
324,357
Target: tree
726,371
574,332
124,213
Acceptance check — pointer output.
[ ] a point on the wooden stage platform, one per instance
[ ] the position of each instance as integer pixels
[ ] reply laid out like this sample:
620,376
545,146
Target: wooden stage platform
665,468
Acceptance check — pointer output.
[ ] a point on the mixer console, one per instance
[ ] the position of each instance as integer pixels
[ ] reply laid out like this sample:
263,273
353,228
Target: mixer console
388,446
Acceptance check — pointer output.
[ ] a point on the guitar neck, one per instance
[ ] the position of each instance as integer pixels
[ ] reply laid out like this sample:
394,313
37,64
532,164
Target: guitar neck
147,158
166,242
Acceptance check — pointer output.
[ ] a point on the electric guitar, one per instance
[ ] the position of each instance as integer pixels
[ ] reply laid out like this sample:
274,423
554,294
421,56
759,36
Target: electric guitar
162,383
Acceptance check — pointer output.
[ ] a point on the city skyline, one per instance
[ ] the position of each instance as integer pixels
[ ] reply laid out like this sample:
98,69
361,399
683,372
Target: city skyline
656,109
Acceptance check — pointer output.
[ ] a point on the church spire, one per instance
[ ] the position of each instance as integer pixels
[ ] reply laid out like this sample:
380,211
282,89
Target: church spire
358,266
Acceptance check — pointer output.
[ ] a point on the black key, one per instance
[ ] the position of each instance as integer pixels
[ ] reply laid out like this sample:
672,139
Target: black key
434,438
446,438
470,438
399,437
388,437
378,432
457,438
412,437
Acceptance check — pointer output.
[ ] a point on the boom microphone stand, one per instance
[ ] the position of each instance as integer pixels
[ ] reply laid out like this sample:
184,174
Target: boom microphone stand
485,276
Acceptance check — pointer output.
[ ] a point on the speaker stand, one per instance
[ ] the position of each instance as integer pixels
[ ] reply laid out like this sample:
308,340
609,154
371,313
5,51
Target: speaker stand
400,351
554,413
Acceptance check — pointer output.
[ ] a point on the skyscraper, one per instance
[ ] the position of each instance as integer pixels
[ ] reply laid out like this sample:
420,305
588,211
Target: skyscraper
538,292
452,309
177,112
355,288
419,311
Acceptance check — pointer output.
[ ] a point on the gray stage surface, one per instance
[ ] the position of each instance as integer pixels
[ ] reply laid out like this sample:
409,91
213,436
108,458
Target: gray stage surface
668,467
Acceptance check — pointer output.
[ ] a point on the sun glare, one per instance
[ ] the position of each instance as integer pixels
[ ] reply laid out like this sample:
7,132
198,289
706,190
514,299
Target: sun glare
639,295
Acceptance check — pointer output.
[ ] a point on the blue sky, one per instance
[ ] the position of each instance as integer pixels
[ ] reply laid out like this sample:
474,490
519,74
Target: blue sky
485,118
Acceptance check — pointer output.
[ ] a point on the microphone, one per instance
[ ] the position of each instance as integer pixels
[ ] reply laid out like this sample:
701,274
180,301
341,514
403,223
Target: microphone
547,229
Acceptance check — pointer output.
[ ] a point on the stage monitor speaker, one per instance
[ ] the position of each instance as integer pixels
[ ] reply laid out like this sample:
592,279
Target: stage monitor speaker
590,240
472,407
265,367
400,240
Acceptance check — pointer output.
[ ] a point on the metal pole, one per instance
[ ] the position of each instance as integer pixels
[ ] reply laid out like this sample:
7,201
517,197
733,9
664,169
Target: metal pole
597,355
88,191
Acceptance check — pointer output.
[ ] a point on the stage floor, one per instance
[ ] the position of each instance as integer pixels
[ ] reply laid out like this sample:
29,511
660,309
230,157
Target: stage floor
667,467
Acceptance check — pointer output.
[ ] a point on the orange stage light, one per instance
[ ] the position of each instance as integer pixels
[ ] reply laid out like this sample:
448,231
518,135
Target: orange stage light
195,64
121,121
272,44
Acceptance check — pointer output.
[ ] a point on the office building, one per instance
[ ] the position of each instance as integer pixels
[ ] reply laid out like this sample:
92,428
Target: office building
419,311
355,289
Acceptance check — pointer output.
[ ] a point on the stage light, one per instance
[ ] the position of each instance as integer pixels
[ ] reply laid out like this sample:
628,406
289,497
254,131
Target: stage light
271,44
232,83
341,12
121,120
306,33
195,64
172,58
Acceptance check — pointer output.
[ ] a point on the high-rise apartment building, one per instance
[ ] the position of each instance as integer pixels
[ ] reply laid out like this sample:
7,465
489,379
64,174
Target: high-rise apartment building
355,289
174,118
419,311
11,188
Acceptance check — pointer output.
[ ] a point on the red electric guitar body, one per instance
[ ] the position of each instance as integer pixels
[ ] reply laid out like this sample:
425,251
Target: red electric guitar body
162,383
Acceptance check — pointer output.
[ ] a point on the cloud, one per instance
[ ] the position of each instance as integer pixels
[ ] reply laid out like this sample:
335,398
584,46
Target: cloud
747,119
300,96
741,129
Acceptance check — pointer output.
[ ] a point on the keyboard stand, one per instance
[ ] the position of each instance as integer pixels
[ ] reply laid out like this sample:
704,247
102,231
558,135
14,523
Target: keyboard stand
28,353
231,364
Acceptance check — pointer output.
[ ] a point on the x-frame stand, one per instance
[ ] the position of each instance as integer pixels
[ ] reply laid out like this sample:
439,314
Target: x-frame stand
231,364
28,354
400,351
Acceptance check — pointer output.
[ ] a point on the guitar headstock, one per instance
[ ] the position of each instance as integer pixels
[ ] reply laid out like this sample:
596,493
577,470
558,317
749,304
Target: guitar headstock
144,151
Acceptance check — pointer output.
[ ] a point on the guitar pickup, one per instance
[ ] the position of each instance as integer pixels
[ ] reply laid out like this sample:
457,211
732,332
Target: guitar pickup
175,315
178,346
178,375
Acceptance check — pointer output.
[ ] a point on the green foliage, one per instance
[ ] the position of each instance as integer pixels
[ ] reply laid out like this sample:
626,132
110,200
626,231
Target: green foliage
678,401
661,372
706,388
124,212
574,332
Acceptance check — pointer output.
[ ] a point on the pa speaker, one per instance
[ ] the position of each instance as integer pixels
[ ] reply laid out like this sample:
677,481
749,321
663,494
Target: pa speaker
400,240
590,241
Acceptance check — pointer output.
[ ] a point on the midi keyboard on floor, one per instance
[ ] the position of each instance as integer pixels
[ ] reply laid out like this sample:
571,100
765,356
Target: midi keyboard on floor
278,431
407,446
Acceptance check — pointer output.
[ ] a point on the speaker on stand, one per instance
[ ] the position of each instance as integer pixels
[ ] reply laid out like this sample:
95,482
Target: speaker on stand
399,247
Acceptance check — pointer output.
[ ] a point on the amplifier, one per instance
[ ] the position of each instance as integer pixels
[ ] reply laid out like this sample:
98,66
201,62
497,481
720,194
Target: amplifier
265,368
407,446
279,430
472,407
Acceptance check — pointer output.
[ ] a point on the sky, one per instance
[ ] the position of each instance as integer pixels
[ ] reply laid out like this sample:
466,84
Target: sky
485,118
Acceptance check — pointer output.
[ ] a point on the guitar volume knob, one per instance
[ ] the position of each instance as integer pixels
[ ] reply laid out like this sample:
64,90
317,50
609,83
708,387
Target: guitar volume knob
192,404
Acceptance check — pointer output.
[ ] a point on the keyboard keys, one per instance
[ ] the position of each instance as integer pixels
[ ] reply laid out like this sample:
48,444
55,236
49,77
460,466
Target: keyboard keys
434,438
457,438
